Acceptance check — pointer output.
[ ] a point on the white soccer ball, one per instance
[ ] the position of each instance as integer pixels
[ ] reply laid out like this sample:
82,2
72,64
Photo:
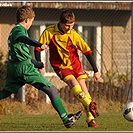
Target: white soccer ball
128,111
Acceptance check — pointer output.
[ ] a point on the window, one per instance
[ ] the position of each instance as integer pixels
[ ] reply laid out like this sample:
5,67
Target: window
90,32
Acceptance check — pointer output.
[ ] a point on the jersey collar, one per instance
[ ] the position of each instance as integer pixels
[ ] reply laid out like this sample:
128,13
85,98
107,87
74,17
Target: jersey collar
57,29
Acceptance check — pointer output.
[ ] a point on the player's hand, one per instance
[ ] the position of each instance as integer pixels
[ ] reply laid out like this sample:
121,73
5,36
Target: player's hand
96,75
45,47
42,71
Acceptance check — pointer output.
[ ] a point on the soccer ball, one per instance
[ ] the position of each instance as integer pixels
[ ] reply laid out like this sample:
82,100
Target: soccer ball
128,111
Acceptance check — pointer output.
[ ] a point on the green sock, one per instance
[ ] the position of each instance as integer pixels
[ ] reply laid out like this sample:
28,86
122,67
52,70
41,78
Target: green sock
59,107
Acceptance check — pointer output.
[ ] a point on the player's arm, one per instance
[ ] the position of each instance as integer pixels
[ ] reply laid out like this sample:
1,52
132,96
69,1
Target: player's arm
84,48
37,64
93,64
24,39
29,41
37,54
45,40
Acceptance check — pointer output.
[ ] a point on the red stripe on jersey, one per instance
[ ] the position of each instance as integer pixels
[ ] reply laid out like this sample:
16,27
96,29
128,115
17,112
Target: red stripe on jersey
55,58
73,55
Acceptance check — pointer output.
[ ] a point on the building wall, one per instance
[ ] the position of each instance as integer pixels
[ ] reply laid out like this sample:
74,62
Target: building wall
106,48
116,33
5,30
122,47
116,41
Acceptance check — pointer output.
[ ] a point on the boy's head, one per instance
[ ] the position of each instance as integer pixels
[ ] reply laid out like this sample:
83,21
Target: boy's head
24,12
67,19
67,16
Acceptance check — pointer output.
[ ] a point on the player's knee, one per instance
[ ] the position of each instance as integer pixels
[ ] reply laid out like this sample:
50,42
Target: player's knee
77,91
50,91
54,91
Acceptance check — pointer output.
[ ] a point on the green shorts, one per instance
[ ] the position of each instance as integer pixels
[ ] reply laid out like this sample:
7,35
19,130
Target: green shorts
18,74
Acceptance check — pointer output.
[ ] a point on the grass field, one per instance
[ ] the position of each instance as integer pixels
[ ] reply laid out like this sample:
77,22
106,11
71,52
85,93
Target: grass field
52,122
41,117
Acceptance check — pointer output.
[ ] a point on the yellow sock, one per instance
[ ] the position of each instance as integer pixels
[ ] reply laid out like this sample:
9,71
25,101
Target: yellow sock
80,95
89,116
88,113
84,99
88,95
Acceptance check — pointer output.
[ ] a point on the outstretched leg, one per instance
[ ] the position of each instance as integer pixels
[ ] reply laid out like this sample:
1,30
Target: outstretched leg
68,119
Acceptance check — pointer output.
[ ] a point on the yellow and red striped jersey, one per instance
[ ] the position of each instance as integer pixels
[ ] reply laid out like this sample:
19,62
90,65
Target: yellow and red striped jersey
63,47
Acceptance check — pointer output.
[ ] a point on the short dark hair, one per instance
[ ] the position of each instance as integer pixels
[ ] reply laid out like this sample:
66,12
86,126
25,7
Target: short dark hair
24,12
67,16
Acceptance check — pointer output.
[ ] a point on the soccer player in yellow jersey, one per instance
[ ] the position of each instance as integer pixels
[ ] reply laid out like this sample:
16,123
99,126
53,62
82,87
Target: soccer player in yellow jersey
63,42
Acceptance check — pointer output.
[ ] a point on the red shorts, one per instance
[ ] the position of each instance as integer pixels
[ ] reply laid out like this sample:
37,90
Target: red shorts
76,72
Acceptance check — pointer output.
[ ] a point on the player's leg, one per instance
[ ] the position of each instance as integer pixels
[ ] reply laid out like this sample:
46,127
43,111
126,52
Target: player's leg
91,109
40,82
85,100
68,77
12,84
77,91
68,119
82,95
92,105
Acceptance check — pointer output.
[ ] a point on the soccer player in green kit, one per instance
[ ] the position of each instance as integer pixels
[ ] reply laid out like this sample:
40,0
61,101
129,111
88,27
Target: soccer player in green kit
21,70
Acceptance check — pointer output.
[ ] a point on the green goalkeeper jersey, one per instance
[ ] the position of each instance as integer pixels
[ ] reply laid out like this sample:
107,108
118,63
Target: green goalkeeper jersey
18,51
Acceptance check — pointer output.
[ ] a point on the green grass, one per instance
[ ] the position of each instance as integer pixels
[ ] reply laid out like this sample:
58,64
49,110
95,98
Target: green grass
51,122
